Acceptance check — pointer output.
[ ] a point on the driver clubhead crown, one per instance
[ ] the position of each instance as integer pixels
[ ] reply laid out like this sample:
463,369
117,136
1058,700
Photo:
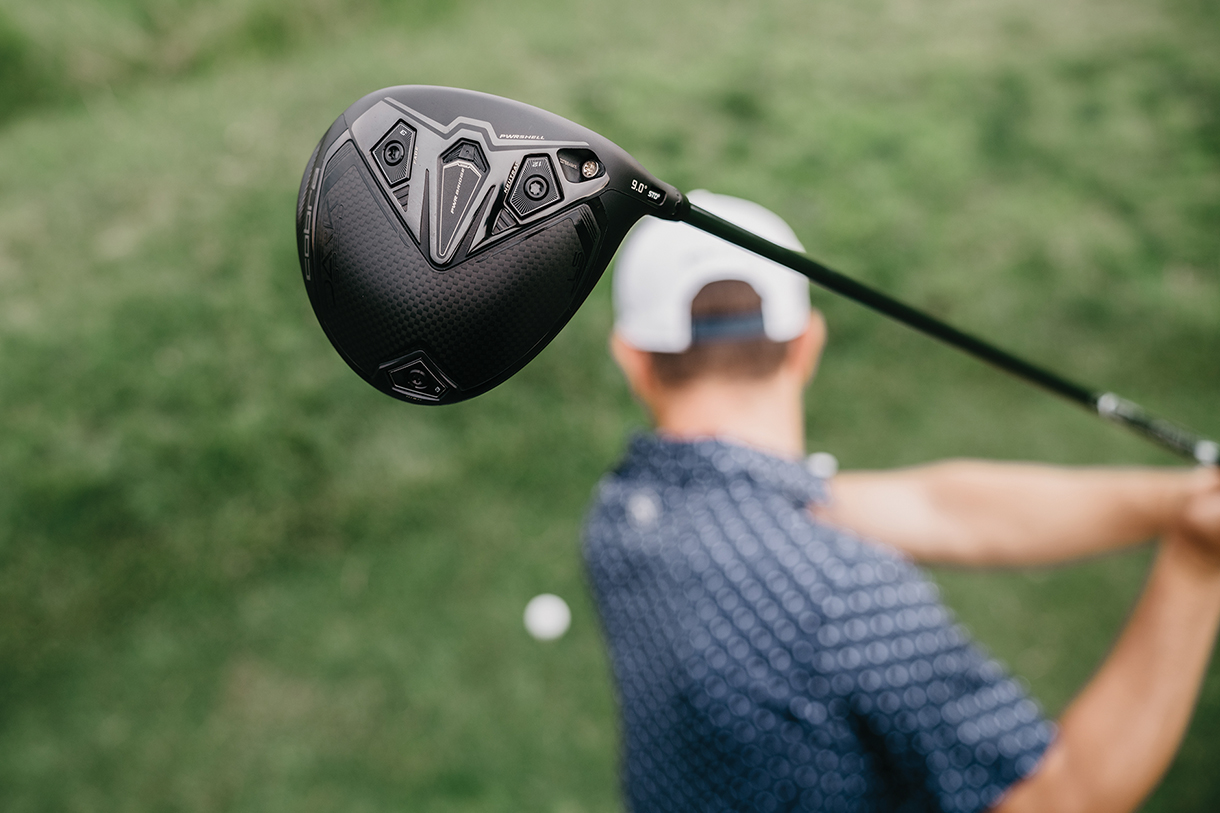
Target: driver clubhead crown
446,236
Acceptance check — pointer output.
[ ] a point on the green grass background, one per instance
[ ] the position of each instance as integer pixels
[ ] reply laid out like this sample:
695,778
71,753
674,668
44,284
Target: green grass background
235,578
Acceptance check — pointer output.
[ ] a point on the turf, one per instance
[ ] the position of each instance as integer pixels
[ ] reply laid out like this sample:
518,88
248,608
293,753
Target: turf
233,577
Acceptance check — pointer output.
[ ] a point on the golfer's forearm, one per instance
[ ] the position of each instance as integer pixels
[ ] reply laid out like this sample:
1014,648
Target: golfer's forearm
979,513
1019,514
1118,737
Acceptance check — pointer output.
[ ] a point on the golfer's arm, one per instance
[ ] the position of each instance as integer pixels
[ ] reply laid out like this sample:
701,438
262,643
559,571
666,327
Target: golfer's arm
1118,737
982,513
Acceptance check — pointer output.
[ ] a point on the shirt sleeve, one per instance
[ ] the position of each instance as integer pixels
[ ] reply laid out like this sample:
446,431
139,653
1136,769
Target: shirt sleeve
950,729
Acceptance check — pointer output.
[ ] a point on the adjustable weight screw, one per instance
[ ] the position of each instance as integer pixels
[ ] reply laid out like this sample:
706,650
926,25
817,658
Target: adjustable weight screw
590,169
536,188
394,153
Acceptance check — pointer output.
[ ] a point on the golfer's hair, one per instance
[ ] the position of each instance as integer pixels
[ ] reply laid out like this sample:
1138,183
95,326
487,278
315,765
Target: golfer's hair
742,359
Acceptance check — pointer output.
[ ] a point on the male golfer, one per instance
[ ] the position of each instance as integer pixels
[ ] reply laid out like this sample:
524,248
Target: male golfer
774,646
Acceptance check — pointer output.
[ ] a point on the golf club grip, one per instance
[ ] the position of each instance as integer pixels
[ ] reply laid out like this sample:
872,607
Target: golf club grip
1173,437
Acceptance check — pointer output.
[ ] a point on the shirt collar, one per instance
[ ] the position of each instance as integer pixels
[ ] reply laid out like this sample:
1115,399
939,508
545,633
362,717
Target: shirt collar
680,461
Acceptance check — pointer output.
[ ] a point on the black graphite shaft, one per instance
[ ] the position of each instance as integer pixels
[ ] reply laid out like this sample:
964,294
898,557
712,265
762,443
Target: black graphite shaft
1171,436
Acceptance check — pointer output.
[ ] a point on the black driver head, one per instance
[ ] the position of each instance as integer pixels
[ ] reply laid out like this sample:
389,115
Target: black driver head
446,236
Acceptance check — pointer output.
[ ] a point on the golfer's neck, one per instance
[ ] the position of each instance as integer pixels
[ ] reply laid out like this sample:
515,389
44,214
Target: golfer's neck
766,416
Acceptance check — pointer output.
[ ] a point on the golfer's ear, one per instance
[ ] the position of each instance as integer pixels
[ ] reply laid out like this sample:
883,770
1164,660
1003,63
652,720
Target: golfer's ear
636,365
805,350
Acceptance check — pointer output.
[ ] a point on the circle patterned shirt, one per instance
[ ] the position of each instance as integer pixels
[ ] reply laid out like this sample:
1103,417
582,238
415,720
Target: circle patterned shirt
766,661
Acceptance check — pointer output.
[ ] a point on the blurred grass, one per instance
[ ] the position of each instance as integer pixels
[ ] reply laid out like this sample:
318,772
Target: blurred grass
232,577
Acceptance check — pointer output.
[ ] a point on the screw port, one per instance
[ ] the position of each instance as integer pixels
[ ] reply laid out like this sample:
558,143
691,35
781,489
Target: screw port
536,188
394,153
590,169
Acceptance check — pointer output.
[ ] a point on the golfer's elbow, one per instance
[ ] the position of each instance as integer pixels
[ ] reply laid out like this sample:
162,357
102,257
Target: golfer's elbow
1067,782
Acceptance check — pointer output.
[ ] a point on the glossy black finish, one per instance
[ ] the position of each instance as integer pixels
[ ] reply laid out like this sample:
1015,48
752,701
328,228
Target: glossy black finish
446,236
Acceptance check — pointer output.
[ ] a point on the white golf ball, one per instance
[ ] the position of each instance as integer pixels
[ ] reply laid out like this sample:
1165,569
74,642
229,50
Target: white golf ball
547,617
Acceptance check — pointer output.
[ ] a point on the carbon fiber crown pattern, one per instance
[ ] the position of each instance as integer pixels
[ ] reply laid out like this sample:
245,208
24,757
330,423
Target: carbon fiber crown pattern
387,301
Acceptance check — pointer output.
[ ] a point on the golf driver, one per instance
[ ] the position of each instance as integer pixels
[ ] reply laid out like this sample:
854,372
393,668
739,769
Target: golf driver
446,236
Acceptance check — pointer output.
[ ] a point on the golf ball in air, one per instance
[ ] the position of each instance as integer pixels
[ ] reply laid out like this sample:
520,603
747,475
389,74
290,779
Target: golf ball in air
547,617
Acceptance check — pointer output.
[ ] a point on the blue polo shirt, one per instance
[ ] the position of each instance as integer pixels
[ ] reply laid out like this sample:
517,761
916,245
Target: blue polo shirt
766,661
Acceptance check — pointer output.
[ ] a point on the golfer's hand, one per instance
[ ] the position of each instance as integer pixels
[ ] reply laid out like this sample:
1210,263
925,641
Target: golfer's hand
1199,524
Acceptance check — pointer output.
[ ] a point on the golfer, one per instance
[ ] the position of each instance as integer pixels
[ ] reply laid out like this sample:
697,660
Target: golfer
775,646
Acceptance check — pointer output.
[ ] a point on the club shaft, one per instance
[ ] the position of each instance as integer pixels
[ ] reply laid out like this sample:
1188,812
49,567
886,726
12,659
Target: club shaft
1168,434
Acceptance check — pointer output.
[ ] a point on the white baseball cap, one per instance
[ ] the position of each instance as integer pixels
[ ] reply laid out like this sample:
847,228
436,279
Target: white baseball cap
663,264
